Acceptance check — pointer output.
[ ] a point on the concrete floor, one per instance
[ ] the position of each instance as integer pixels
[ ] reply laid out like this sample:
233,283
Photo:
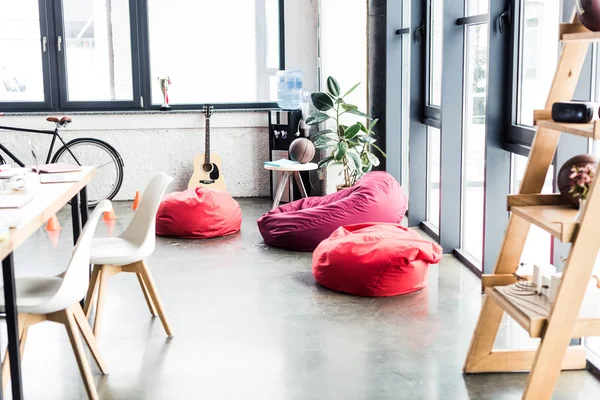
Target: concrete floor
250,323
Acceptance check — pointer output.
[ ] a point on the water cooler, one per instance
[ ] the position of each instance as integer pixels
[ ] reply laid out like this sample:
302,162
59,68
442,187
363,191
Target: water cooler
283,129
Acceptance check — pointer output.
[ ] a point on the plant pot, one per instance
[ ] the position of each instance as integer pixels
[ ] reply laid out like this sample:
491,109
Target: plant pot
341,187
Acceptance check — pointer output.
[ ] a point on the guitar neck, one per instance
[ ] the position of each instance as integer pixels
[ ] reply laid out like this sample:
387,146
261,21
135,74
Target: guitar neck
207,141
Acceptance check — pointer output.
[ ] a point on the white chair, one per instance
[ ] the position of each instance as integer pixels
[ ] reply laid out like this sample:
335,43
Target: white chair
127,252
56,298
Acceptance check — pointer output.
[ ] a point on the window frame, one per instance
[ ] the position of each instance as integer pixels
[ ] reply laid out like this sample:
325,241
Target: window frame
519,138
55,73
432,114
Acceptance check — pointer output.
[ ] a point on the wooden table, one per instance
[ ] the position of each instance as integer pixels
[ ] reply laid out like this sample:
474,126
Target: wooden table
290,173
24,222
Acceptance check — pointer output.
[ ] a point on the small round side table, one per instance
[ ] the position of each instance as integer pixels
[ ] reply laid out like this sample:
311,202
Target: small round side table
290,173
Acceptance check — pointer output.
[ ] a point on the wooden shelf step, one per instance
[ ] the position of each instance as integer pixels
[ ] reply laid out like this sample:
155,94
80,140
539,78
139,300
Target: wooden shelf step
558,220
577,32
531,312
543,119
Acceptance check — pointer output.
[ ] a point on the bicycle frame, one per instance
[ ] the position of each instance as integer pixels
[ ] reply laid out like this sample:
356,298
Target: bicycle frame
54,134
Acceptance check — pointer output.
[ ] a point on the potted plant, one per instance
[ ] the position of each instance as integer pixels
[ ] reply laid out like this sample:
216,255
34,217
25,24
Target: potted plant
580,183
351,144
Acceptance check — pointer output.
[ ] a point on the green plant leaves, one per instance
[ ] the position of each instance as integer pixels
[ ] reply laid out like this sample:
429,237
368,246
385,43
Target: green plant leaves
367,139
355,157
352,131
373,159
373,123
322,101
356,112
340,152
322,134
381,151
347,106
325,162
325,142
317,119
351,89
333,86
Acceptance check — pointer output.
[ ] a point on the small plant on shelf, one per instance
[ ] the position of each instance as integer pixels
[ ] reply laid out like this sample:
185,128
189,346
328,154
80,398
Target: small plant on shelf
581,179
351,144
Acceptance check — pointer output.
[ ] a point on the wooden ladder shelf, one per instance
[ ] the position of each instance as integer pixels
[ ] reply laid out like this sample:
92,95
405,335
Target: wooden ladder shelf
576,310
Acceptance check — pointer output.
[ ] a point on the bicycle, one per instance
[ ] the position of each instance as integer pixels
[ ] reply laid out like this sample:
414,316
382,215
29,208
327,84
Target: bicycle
80,151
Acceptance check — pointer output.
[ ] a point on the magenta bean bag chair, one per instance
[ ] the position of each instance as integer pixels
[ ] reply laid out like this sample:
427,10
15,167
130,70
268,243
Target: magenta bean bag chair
303,224
374,260
198,213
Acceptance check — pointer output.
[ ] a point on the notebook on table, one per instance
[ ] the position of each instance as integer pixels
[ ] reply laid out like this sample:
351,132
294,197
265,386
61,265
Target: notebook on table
59,172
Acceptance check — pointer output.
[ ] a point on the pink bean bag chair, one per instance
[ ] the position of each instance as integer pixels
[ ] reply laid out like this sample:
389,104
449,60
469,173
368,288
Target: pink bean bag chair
198,214
303,224
374,260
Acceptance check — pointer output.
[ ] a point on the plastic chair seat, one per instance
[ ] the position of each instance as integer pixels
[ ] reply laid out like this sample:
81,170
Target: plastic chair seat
35,295
117,251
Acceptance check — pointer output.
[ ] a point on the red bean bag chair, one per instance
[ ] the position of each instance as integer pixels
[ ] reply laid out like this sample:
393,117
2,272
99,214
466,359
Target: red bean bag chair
303,224
199,213
374,260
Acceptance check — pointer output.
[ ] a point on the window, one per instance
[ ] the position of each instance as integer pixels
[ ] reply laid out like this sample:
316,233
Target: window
211,54
433,176
21,78
97,50
474,99
538,56
435,55
477,7
109,54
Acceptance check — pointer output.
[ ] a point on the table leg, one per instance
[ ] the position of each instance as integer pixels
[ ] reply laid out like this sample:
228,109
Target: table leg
75,217
83,199
282,184
10,301
300,184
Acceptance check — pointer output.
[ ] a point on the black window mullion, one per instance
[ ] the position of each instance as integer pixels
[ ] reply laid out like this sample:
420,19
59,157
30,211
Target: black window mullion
60,54
144,52
46,55
134,18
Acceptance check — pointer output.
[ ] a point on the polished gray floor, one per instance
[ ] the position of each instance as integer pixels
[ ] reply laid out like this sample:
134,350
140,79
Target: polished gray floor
250,323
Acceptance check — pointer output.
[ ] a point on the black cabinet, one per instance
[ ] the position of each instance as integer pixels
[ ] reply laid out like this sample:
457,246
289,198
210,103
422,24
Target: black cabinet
283,130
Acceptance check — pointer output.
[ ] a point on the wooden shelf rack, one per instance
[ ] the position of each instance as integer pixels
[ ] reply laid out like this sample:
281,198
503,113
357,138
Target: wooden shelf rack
576,311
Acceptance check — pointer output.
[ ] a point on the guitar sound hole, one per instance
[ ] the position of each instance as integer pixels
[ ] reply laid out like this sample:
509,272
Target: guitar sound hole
207,168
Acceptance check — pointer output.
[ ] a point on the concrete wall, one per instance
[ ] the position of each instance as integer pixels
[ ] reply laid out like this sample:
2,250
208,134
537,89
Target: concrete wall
168,142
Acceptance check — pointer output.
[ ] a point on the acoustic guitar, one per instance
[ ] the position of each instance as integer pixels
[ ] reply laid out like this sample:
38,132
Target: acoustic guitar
207,166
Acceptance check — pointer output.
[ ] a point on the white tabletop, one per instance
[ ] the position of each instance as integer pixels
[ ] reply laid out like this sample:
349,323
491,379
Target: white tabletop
294,167
48,199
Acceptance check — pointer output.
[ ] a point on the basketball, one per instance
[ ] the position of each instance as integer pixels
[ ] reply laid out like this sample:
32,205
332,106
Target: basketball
302,150
589,13
563,181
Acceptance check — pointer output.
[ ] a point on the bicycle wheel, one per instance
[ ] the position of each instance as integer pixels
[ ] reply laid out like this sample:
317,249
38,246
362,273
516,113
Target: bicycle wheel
108,163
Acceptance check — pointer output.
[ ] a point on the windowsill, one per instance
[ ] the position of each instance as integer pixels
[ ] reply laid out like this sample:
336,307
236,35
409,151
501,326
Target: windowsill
149,120
130,112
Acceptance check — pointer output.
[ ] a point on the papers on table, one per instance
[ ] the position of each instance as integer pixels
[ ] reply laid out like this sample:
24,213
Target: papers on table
281,163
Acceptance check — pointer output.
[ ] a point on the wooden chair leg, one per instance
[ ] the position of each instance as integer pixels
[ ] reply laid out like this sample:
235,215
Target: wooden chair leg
84,368
89,298
145,273
105,273
88,336
146,294
23,329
